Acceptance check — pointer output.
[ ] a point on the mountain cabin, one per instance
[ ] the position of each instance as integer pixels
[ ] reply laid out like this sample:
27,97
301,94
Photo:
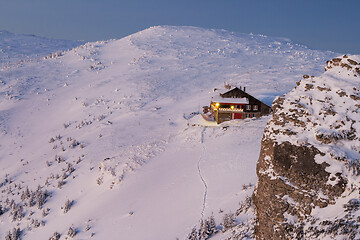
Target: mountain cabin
235,104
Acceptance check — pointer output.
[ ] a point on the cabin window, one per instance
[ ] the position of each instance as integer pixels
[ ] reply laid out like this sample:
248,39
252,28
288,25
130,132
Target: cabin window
248,107
255,107
248,115
224,106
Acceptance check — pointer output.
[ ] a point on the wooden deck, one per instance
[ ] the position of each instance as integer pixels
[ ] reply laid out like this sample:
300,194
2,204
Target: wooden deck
208,118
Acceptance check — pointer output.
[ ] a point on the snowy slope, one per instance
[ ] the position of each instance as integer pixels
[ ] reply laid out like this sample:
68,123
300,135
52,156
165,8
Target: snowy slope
143,164
19,48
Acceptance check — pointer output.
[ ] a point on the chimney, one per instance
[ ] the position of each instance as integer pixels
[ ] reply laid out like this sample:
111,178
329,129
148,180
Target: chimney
244,89
240,88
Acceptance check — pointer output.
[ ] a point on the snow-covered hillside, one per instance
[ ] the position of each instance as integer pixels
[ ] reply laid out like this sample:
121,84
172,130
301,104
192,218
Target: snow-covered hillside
113,127
20,48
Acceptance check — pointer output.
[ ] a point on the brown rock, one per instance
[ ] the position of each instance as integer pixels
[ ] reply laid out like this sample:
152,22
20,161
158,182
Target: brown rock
347,66
298,177
352,62
324,88
357,70
357,98
309,86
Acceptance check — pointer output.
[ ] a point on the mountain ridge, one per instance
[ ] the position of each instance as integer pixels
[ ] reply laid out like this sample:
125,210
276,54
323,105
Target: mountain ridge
17,48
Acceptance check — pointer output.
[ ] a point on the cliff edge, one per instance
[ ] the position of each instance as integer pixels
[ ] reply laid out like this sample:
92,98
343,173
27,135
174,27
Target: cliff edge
308,169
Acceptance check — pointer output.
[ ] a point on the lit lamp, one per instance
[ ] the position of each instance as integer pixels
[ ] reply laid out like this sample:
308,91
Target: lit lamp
217,104
232,107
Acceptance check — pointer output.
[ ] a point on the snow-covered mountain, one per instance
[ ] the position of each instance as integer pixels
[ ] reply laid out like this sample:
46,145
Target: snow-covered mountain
113,127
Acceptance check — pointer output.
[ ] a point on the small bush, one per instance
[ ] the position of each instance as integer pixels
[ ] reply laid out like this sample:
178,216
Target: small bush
40,197
61,183
2,210
71,232
45,212
67,206
193,235
55,236
228,221
14,234
74,144
16,212
34,223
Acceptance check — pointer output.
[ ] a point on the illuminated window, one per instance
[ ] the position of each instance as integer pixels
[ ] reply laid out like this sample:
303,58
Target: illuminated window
248,107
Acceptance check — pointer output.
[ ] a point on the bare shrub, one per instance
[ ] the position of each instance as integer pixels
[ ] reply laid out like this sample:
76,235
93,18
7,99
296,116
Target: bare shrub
101,117
74,143
244,205
16,212
70,168
13,235
45,212
61,183
2,210
228,221
71,232
67,206
26,194
193,235
59,159
55,236
34,223
40,197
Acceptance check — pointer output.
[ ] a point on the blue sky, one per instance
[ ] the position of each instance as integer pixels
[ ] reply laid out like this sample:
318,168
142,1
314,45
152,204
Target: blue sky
319,24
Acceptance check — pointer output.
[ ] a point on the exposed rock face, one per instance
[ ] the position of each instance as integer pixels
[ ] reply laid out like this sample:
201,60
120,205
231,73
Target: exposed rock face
308,169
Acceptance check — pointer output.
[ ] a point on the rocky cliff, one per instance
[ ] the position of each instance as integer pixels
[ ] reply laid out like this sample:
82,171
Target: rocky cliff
308,169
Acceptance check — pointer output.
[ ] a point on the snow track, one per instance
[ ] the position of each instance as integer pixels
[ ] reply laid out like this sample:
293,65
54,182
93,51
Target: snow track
199,170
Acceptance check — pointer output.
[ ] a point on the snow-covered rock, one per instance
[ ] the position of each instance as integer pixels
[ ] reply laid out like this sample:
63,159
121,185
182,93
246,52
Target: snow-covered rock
309,165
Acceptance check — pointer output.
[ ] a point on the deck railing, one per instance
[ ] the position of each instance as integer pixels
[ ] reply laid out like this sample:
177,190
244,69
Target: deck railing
230,110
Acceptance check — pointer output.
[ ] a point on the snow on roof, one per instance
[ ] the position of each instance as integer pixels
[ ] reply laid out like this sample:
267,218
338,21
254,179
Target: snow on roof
230,100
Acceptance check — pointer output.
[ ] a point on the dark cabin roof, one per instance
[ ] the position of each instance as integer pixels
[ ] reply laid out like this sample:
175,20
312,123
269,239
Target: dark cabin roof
238,93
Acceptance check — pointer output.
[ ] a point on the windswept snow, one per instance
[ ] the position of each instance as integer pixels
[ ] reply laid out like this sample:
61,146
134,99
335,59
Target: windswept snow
145,166
20,48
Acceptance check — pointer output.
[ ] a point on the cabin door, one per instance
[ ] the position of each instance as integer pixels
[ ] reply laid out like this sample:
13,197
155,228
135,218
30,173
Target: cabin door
237,115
